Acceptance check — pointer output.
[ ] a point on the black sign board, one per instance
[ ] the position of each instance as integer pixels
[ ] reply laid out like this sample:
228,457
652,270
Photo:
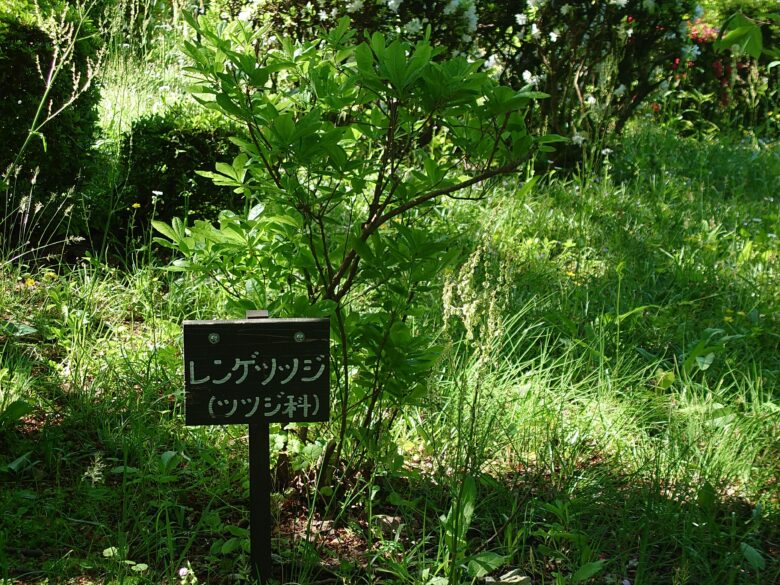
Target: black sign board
256,371
253,370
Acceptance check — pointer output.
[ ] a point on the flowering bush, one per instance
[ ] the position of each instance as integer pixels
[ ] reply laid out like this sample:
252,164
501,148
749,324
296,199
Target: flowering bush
724,79
597,60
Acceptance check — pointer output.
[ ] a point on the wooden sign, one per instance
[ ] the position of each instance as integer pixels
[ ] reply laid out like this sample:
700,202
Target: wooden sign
256,371
252,370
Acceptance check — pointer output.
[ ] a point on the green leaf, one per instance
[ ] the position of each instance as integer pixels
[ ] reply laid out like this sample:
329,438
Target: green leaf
124,469
164,229
394,65
230,545
17,329
229,106
706,497
705,361
484,563
237,531
742,32
15,411
18,463
284,128
754,558
587,571
169,460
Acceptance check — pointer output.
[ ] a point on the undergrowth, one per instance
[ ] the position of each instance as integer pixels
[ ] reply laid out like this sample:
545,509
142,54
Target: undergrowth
604,409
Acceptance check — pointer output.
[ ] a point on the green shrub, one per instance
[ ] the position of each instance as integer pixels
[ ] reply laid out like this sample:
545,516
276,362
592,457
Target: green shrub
730,88
160,158
598,61
67,118
347,152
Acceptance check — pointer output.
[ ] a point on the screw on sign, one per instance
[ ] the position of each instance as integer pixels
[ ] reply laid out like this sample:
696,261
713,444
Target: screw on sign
256,371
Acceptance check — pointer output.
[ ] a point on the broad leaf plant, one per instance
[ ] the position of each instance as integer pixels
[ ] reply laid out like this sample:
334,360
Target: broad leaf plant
348,152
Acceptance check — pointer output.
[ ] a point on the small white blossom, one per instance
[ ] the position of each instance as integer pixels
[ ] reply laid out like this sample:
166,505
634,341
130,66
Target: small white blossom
691,52
530,78
590,100
471,18
577,139
394,4
521,19
619,3
606,151
451,7
630,33
354,6
245,15
554,36
535,32
413,26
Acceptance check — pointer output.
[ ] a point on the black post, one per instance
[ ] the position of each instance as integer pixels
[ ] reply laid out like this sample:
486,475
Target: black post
260,519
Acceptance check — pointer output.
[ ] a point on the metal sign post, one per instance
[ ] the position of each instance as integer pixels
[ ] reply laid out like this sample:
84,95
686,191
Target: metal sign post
257,371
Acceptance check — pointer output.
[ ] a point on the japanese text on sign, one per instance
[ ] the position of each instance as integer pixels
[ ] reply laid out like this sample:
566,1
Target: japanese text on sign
276,370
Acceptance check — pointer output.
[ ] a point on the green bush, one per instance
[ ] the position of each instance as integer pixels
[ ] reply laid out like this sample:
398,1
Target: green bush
27,52
160,158
721,87
598,61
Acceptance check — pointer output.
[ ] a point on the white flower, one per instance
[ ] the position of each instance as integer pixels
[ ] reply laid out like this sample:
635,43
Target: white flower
413,26
535,32
245,15
606,151
530,78
451,7
554,36
590,100
521,19
471,18
394,4
183,572
691,52
620,91
619,3
630,33
354,6
577,139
